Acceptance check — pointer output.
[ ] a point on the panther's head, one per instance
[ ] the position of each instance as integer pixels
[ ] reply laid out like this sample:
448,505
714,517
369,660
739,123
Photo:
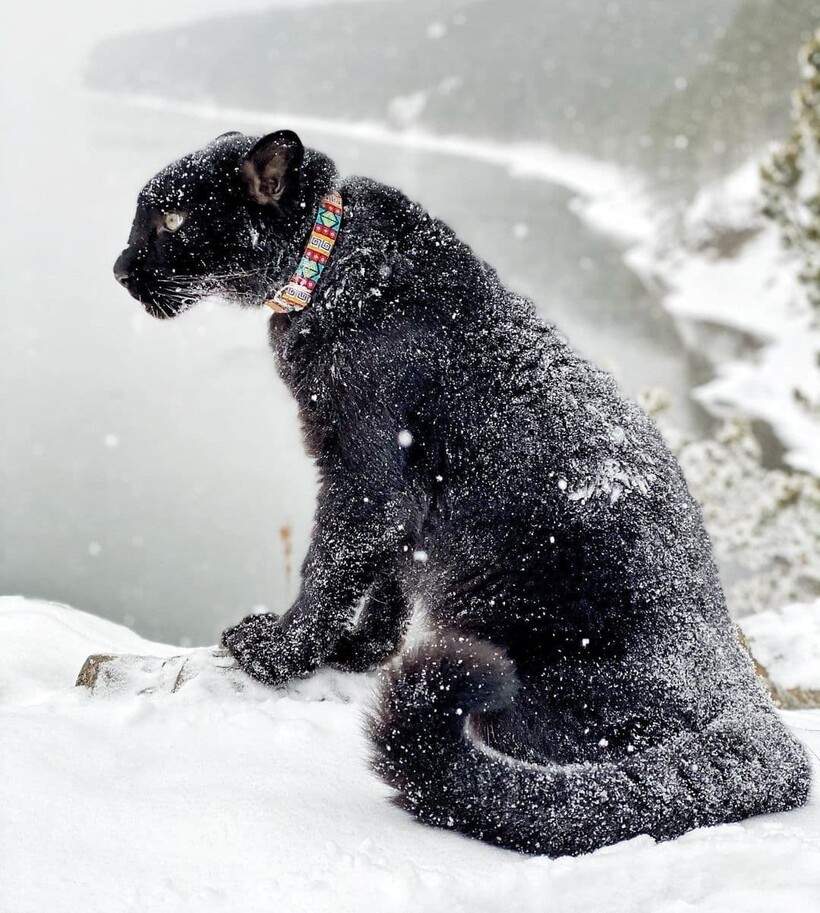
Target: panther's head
226,220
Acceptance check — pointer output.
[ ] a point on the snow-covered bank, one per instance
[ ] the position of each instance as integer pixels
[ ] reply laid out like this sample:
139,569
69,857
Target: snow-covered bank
604,188
212,800
723,265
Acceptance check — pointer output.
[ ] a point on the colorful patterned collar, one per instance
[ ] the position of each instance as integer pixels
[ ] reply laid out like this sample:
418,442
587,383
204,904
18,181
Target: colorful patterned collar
295,294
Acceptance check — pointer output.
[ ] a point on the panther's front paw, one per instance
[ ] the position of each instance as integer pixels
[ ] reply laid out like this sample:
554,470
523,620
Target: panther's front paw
258,645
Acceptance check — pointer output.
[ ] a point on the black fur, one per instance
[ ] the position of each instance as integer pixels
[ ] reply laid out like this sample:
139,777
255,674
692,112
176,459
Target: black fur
580,681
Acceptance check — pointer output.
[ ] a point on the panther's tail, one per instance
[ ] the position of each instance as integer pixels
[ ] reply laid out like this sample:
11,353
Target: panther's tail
427,749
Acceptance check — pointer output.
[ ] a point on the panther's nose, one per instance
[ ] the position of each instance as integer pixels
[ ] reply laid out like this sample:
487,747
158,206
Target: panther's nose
121,268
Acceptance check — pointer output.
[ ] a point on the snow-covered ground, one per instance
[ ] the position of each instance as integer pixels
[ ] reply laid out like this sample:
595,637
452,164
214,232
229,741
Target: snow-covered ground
214,800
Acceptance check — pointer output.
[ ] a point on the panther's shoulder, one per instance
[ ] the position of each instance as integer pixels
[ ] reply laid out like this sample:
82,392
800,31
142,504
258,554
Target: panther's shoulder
381,207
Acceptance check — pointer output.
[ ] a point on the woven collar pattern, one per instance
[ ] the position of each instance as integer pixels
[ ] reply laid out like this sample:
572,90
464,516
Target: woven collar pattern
295,295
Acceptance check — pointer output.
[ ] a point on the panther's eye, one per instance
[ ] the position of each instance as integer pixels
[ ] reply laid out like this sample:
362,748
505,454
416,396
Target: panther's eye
172,220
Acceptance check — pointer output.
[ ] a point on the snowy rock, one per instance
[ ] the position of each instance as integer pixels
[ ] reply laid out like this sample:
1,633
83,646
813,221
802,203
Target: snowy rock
107,674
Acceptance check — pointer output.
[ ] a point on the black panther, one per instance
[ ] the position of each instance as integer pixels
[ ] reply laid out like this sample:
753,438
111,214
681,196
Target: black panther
574,678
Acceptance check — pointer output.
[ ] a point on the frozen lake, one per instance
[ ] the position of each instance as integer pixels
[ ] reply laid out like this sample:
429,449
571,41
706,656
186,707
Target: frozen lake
140,472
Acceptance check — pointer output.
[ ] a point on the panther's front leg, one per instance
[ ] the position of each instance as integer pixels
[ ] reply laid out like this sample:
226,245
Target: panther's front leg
376,636
356,533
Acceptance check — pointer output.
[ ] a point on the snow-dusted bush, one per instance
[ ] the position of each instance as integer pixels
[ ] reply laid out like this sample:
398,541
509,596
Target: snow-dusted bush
764,523
791,174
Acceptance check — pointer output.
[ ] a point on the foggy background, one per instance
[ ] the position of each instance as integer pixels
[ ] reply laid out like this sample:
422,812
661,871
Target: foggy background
152,472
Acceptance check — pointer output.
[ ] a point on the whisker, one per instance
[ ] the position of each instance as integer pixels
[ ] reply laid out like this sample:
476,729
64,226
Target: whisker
236,274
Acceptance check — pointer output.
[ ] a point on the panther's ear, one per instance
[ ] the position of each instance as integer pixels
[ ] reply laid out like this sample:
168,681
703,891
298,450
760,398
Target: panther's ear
226,135
271,168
